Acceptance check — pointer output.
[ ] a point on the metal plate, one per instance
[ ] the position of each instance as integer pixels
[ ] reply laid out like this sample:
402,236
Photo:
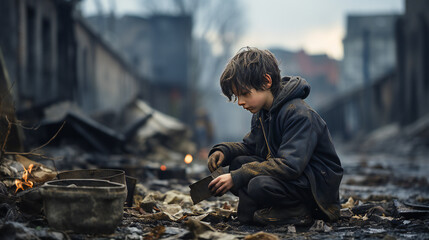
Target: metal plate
200,189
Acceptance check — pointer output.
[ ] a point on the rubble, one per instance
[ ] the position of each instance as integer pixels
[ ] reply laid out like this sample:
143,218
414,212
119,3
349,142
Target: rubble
149,138
261,236
320,226
171,215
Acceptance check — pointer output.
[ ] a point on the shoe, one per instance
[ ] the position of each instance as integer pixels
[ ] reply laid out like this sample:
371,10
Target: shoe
298,216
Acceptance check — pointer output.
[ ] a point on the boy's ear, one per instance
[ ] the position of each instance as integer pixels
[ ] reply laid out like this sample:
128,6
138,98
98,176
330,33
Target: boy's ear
268,81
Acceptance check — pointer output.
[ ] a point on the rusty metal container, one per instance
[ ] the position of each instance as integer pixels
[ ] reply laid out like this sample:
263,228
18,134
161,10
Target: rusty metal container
84,205
113,175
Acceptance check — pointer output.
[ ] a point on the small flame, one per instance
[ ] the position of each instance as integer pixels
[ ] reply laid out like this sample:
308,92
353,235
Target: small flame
163,168
20,184
188,158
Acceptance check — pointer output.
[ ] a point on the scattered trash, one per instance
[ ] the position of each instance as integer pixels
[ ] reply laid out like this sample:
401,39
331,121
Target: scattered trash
155,233
349,204
261,236
408,212
320,226
216,236
198,227
291,229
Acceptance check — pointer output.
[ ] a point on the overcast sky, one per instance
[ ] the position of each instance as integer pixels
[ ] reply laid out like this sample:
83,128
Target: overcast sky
317,26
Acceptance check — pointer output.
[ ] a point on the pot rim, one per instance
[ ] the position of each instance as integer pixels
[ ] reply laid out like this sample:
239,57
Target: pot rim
118,171
113,185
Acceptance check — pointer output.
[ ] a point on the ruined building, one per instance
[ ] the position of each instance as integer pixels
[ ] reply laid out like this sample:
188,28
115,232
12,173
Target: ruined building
52,55
399,96
413,61
160,48
369,49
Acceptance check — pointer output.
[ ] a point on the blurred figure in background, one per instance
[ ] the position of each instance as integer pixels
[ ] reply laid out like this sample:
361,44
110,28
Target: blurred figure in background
203,132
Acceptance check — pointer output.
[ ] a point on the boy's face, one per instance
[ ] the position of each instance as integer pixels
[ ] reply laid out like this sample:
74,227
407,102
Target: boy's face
255,100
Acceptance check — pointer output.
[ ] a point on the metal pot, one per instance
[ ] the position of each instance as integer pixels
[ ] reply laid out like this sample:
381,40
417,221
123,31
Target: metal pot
112,175
84,205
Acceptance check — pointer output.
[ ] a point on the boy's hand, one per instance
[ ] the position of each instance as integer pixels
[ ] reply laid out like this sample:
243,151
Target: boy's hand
220,185
215,160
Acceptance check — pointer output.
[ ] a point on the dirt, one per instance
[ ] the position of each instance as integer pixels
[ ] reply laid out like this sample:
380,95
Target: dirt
383,197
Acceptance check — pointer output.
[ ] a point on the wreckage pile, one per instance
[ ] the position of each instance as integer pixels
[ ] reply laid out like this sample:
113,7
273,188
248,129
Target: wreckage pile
138,137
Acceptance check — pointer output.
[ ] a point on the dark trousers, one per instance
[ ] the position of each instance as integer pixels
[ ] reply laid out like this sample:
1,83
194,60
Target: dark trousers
266,191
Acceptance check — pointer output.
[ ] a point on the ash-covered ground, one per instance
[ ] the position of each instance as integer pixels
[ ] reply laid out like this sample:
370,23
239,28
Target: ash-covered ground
384,196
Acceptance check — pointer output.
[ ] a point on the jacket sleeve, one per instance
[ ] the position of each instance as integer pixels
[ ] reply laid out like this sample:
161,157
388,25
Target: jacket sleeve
299,139
232,150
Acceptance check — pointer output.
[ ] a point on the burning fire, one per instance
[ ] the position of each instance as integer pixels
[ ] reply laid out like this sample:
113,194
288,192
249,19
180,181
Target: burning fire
188,158
163,168
20,184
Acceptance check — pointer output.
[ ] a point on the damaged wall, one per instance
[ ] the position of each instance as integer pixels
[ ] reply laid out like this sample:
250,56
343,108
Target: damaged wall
105,80
413,58
402,95
53,56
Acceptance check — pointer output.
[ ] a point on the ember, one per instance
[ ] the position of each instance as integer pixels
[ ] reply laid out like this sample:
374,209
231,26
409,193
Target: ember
188,158
163,168
20,184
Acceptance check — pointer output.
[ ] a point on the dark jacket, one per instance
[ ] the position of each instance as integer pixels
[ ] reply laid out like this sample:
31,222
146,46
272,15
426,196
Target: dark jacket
296,142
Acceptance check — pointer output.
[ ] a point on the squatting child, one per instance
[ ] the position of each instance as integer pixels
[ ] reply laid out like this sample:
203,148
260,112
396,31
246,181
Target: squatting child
286,169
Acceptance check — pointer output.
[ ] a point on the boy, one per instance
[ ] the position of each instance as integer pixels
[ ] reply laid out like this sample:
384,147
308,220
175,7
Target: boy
286,170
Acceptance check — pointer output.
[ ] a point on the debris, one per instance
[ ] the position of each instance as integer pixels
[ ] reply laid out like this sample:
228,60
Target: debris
346,213
9,212
10,168
420,206
376,230
159,129
389,237
363,209
101,138
198,227
377,210
137,129
261,236
408,212
40,173
291,229
349,204
173,211
155,233
360,217
320,226
148,203
15,230
216,236
175,196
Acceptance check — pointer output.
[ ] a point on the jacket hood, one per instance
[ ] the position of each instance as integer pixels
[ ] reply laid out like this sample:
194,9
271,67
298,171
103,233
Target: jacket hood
290,88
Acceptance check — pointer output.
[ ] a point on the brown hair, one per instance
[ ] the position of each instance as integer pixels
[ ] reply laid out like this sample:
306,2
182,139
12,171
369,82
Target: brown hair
246,70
